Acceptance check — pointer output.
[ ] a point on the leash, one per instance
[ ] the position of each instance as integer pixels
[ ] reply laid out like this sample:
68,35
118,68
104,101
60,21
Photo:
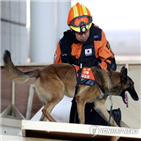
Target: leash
110,108
111,104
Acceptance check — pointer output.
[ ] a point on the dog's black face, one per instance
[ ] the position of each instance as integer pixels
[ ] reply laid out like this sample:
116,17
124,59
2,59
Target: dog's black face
127,85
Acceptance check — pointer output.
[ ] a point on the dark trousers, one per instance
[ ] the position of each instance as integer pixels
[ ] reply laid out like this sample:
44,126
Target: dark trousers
91,116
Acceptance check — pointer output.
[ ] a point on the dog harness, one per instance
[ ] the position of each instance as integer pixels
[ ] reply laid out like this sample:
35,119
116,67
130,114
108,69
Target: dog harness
85,76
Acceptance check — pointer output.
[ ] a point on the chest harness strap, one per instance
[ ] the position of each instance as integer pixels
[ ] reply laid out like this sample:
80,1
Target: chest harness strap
74,106
74,112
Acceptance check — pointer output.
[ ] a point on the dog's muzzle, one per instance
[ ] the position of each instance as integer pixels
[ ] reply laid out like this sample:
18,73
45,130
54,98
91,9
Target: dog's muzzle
132,93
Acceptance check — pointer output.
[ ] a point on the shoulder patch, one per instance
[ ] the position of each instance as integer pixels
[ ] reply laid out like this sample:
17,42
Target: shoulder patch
108,45
96,33
97,36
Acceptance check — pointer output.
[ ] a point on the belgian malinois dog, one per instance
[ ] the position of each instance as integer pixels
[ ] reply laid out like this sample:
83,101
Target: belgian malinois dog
56,80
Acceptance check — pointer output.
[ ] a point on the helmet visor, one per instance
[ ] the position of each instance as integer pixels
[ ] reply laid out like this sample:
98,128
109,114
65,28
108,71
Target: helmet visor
81,20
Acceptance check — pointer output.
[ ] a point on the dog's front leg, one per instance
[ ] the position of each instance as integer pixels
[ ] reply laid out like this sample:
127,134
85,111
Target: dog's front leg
100,108
80,108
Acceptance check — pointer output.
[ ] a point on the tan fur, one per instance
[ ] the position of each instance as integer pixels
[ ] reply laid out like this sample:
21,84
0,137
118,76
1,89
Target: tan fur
57,80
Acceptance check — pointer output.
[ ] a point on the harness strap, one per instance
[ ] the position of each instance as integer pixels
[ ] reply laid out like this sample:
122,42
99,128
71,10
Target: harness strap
78,81
101,88
74,113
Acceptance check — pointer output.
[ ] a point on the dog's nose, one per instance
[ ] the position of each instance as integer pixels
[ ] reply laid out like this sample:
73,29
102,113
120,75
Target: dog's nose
137,98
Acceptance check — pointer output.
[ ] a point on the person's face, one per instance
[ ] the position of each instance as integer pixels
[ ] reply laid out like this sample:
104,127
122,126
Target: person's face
82,37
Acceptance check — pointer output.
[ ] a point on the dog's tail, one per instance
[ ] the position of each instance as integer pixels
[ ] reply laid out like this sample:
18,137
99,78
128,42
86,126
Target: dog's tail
15,74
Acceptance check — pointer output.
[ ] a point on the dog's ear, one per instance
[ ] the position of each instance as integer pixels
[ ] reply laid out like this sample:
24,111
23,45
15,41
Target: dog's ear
124,74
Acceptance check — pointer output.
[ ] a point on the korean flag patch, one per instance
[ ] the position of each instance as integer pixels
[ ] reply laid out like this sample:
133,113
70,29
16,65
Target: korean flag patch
88,52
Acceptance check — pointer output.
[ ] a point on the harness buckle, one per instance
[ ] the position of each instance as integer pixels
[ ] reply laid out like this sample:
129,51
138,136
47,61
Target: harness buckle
63,54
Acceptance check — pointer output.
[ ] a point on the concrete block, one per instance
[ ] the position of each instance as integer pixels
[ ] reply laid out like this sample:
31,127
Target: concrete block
5,10
15,11
23,45
15,43
22,11
5,38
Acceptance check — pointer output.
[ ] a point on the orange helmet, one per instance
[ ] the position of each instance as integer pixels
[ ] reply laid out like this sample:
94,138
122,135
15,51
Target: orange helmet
79,18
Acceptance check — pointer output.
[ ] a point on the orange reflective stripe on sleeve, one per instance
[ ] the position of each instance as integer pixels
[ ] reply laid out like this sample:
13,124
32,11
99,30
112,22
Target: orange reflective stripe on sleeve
58,55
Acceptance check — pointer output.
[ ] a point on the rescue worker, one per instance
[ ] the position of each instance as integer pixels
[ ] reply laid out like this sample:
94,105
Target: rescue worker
85,43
